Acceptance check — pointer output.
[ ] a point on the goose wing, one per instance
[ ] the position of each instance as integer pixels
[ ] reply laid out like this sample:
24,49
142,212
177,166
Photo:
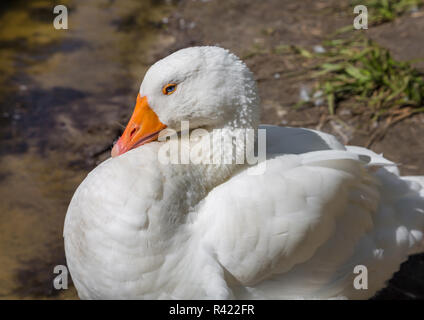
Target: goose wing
299,229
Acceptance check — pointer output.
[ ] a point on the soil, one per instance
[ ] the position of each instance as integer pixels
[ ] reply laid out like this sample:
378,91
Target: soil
68,97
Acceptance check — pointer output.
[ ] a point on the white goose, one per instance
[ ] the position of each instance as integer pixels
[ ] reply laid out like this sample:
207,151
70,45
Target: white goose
139,228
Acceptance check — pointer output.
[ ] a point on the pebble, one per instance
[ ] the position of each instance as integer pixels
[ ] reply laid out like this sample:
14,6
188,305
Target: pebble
182,23
319,49
318,98
304,94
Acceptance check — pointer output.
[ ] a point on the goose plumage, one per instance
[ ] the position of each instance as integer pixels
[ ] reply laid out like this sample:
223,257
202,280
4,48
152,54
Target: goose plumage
138,228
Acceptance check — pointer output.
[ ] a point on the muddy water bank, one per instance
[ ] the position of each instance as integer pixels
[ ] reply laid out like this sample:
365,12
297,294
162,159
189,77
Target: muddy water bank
63,97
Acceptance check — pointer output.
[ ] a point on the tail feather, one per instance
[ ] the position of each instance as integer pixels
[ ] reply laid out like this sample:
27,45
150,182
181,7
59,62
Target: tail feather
405,195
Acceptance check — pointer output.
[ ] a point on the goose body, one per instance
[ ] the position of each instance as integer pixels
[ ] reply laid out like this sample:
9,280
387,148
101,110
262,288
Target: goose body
138,228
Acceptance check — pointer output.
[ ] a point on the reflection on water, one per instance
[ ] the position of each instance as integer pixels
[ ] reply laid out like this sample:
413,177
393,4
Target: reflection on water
62,95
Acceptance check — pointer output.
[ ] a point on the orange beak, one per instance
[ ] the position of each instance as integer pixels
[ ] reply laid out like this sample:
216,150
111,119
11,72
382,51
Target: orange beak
143,127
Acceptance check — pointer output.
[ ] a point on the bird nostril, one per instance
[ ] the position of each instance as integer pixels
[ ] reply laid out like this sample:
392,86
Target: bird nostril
132,132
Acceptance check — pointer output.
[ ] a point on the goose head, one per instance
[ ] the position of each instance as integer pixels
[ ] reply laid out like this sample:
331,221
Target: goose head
207,86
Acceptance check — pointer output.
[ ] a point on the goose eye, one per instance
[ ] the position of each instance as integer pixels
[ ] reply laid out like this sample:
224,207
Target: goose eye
169,88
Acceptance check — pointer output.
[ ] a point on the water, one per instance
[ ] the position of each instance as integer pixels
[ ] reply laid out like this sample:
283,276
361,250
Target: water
63,95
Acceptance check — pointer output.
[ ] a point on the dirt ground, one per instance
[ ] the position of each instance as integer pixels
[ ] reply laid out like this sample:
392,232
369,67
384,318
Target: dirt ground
60,126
